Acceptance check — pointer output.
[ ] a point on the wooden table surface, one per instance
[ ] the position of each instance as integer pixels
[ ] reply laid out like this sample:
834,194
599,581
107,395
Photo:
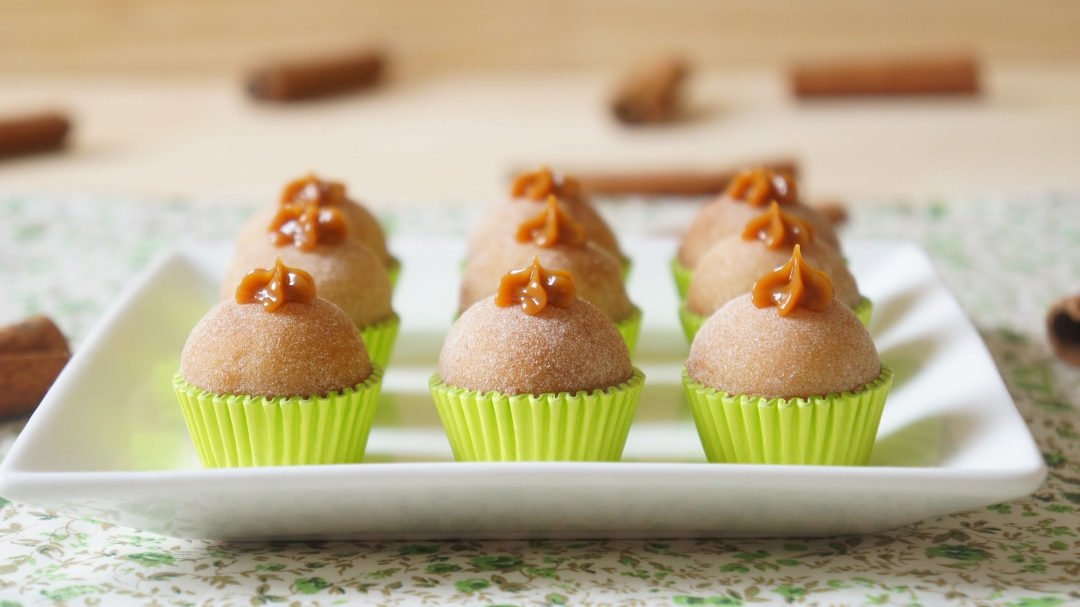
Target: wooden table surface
455,139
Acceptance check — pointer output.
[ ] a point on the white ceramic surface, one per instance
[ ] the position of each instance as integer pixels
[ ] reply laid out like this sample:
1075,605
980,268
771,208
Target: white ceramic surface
109,440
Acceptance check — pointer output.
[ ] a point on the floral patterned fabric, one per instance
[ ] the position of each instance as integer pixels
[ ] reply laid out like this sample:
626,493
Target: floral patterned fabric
1006,261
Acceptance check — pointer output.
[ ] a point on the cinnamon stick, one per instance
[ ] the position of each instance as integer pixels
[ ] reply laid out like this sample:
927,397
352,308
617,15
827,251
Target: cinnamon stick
916,76
673,183
651,93
32,134
318,78
1063,325
32,354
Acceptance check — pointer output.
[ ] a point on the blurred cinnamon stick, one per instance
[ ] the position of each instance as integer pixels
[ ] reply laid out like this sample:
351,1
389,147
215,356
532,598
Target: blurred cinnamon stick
673,183
1063,325
954,75
318,78
32,354
33,133
651,93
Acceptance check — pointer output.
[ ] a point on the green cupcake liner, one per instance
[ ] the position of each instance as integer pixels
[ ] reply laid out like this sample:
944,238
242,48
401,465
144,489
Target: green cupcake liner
630,328
864,310
626,264
231,431
833,430
493,427
682,275
379,339
393,270
691,323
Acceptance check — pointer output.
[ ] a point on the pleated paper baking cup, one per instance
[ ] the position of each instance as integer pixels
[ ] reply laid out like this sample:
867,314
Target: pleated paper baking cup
393,270
493,427
231,431
630,328
691,323
682,275
833,430
379,339
864,310
626,264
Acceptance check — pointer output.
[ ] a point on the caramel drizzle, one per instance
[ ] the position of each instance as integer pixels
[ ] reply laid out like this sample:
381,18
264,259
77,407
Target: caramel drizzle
534,287
552,226
307,216
543,182
759,186
313,189
778,229
794,284
275,286
307,225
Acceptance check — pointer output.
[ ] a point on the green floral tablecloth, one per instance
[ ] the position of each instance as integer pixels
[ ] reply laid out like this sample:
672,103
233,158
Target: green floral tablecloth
1006,260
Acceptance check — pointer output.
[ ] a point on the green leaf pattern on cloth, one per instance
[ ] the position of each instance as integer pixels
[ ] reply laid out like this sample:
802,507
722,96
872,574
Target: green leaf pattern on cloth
1006,260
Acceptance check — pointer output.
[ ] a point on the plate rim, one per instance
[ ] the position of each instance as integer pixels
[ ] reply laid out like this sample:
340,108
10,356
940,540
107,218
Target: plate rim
1028,474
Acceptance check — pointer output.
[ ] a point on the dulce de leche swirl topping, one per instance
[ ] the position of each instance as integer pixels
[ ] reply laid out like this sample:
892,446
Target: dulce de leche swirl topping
275,286
534,287
552,226
543,182
313,189
794,284
778,229
759,186
306,224
307,217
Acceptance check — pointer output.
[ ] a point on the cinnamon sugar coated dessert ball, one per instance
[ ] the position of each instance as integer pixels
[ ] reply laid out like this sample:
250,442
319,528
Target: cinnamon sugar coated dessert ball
301,349
348,275
570,349
499,223
726,216
360,224
597,274
733,265
743,349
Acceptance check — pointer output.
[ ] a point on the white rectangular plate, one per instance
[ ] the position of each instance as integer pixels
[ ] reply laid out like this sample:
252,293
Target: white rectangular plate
109,440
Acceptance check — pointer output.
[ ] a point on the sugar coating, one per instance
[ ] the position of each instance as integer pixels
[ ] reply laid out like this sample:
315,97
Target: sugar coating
726,216
558,350
733,265
300,350
361,226
597,274
743,349
499,224
348,275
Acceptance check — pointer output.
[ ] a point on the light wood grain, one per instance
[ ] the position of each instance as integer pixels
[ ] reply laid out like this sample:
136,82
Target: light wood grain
431,37
456,139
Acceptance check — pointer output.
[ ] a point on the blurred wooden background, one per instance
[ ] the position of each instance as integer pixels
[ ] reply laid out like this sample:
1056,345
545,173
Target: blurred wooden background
479,88
428,36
